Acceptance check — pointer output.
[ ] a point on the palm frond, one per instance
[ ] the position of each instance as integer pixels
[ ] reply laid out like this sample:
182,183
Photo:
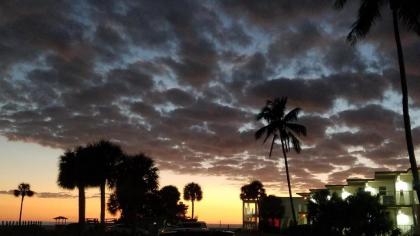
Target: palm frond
368,12
16,193
292,115
265,114
278,108
295,142
30,193
298,129
409,15
260,132
270,131
285,142
272,144
339,4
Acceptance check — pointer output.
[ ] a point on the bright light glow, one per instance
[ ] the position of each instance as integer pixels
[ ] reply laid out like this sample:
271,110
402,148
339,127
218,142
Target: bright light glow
328,197
370,189
401,185
402,219
345,194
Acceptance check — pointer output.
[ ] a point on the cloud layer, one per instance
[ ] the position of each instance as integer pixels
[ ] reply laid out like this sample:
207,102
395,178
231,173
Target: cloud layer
182,82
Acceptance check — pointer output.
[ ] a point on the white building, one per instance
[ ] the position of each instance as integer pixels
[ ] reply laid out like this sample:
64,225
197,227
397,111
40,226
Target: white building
395,190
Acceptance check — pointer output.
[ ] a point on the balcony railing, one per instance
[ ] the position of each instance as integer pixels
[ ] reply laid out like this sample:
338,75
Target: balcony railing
406,229
391,198
302,208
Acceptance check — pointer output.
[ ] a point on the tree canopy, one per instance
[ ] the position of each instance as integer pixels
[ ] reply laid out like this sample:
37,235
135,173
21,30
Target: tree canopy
359,214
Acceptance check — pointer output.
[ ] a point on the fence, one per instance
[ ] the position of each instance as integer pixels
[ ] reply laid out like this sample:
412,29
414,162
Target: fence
406,229
22,223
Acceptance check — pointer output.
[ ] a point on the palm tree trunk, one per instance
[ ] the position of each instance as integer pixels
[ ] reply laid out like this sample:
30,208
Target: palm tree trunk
102,189
407,123
192,210
21,206
82,206
288,183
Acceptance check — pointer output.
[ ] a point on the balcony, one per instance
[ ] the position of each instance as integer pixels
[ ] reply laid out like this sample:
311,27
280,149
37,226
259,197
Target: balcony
302,208
399,198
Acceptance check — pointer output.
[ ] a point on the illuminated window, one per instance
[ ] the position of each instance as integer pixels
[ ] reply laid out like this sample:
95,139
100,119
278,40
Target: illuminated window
345,194
403,219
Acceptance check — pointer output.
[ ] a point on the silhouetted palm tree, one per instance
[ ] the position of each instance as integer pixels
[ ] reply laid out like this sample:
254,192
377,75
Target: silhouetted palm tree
253,191
73,173
105,156
282,127
136,178
192,192
408,12
22,191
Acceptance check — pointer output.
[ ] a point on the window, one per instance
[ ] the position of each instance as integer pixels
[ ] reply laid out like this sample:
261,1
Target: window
382,190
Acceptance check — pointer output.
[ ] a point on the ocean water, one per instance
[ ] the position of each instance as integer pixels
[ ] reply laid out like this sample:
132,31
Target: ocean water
224,226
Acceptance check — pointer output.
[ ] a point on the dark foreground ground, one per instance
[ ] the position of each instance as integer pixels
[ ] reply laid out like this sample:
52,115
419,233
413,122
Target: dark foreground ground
244,233
40,231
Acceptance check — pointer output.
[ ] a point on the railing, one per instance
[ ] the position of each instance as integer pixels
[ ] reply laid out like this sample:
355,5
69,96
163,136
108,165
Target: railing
391,198
23,223
406,229
302,208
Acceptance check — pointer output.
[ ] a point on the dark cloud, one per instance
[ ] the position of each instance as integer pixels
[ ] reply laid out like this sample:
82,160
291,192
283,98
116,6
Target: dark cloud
318,95
6,192
55,195
181,81
61,195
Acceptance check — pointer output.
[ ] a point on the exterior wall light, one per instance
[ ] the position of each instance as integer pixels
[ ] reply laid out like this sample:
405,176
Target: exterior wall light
370,189
345,194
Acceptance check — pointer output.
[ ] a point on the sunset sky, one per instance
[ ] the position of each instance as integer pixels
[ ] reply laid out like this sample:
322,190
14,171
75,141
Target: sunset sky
181,81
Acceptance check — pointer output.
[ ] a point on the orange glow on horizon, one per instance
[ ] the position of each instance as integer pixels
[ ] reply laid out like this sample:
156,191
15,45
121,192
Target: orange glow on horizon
220,202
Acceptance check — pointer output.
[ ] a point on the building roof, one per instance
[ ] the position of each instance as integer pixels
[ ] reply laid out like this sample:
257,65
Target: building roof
360,180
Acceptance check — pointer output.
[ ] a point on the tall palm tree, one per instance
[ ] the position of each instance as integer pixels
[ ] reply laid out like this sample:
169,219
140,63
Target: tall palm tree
282,127
105,156
192,192
73,173
22,191
408,12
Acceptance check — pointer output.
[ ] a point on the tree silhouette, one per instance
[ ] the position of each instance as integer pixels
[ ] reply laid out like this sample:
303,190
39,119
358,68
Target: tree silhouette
74,173
282,127
169,196
22,191
359,214
104,156
271,207
181,211
327,213
408,12
192,191
136,179
253,191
